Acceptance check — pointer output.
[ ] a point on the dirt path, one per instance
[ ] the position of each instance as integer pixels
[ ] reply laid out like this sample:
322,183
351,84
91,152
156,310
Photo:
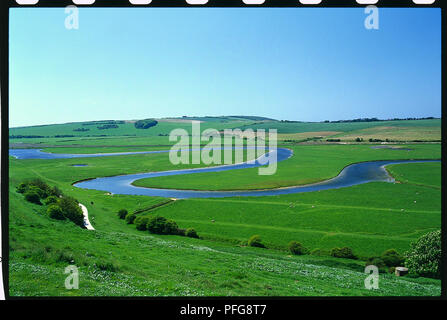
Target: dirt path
87,223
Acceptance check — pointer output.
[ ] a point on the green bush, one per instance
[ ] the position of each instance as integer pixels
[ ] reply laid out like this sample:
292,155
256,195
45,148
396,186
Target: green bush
42,193
71,210
424,257
296,248
32,196
141,222
21,188
55,212
190,232
344,252
255,241
130,218
122,213
50,200
392,258
161,225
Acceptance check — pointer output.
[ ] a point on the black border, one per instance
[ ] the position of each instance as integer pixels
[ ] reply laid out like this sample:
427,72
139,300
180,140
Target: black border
272,302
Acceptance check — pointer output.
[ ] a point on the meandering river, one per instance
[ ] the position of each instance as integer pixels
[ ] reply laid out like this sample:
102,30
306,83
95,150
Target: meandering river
354,174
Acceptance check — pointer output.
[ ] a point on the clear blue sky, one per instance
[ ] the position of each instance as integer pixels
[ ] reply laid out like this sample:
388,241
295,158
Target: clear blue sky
296,64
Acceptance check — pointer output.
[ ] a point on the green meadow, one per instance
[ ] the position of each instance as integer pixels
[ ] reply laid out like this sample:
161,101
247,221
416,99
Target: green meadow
115,259
309,164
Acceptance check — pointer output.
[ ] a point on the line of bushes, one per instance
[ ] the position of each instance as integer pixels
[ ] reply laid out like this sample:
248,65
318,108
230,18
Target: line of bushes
59,206
423,259
107,126
156,224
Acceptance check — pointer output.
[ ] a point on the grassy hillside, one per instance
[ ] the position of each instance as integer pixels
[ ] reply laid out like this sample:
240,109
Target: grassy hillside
118,260
132,263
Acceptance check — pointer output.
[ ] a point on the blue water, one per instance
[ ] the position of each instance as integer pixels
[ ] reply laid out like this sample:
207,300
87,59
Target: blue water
39,154
354,174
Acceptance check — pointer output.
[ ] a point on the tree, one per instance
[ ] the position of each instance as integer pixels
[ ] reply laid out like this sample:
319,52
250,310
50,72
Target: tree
122,213
50,200
424,257
161,225
71,210
32,196
141,223
130,218
55,212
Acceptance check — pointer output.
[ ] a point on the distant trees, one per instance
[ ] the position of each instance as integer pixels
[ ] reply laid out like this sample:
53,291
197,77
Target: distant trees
81,129
107,126
145,124
376,119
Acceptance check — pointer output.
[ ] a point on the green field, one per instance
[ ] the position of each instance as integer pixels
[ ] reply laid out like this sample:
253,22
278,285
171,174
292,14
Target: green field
118,260
309,164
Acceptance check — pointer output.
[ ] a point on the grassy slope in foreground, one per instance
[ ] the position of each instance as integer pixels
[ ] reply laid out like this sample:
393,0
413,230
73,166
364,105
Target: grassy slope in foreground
133,263
307,165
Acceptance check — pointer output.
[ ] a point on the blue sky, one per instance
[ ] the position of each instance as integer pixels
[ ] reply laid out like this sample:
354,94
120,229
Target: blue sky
298,64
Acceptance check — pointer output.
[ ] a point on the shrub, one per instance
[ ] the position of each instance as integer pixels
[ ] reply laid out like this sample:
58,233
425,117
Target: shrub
122,213
344,252
71,210
55,191
130,218
161,225
42,193
392,258
50,200
190,232
21,188
141,223
55,212
296,248
255,241
424,257
32,196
